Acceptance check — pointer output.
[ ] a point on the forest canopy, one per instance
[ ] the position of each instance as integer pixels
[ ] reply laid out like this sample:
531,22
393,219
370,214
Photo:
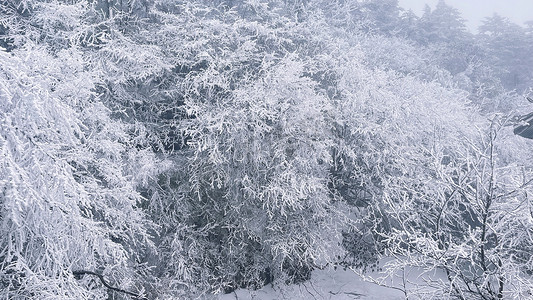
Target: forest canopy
173,149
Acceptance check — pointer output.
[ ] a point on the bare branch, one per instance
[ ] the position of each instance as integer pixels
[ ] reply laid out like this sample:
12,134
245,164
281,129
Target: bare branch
101,277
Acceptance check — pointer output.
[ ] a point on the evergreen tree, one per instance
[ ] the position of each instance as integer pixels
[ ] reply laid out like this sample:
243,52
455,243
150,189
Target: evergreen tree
507,48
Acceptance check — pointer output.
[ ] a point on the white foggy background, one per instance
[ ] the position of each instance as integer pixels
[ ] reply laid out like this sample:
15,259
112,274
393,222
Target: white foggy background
474,11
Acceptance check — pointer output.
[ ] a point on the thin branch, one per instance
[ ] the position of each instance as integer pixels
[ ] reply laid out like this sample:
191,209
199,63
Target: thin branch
454,286
101,277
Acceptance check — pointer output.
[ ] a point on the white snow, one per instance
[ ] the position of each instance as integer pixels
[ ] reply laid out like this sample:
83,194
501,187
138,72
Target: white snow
324,284
339,284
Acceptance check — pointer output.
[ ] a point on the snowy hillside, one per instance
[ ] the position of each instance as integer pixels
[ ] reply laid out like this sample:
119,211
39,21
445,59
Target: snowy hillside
190,149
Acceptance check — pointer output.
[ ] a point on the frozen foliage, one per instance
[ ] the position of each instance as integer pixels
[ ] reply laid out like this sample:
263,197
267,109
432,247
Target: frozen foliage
173,149
68,180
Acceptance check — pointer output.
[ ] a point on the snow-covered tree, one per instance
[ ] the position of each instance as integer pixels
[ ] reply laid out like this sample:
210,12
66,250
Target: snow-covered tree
68,181
177,148
468,218
507,46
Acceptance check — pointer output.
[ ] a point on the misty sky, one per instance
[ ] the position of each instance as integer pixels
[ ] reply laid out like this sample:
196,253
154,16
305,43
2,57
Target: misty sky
474,11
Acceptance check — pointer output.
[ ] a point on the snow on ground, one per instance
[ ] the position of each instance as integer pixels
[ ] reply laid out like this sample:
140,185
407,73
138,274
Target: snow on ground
324,284
342,284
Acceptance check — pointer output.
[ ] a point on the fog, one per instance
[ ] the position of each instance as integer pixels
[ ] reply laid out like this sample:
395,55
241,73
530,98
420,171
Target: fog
474,11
